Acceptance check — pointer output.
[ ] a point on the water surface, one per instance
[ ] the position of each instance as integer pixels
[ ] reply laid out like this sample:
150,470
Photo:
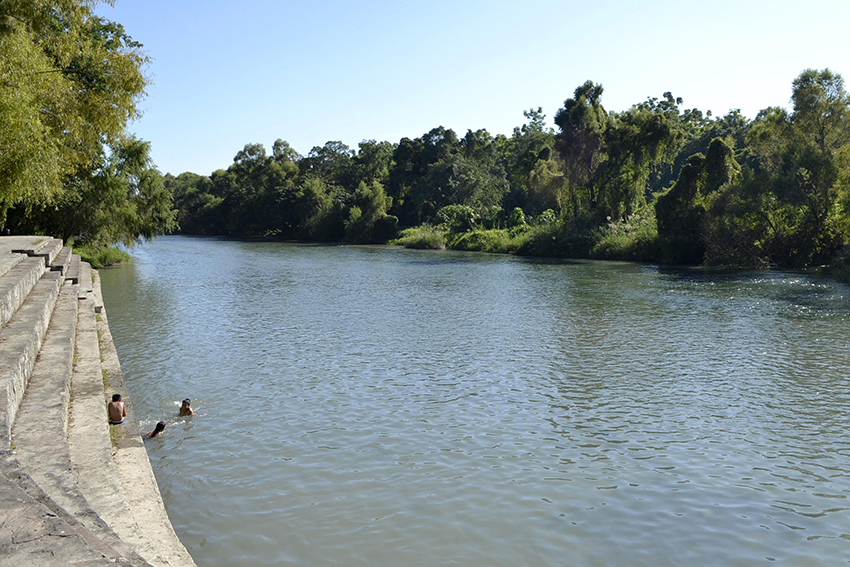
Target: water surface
382,406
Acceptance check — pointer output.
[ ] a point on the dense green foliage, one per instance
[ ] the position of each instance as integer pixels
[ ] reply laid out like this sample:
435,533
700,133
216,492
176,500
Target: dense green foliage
69,84
655,182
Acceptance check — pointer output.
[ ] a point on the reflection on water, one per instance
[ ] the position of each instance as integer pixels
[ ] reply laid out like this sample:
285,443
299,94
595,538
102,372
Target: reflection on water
379,406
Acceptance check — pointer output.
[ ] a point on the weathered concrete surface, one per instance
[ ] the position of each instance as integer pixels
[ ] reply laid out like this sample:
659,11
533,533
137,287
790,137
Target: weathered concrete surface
49,251
91,449
86,286
62,261
39,431
131,459
22,244
44,247
20,341
16,283
63,499
36,532
73,272
47,393
9,261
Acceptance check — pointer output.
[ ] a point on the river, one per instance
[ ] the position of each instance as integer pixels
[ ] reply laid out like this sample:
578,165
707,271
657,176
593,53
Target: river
380,406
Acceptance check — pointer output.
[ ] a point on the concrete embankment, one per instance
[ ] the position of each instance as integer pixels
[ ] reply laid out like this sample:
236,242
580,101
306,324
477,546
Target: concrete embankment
74,490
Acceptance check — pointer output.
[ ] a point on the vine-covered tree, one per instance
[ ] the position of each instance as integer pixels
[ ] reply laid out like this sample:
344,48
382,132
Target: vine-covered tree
608,157
681,211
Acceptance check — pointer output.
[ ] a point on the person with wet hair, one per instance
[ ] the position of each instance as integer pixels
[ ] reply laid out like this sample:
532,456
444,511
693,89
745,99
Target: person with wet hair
160,427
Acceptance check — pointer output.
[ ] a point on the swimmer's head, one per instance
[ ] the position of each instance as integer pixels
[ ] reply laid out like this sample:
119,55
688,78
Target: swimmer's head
186,402
160,427
116,397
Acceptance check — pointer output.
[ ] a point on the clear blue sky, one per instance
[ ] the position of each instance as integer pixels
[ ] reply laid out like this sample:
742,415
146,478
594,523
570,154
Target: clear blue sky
227,73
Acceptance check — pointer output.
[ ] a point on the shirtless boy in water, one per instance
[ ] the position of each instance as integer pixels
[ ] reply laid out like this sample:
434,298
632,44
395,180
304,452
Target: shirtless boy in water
185,409
117,412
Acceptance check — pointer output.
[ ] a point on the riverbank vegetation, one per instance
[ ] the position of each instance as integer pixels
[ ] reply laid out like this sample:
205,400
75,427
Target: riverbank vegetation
100,256
656,182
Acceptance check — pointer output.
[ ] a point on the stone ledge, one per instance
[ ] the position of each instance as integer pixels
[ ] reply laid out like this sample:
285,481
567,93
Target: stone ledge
62,261
90,445
115,492
20,342
16,284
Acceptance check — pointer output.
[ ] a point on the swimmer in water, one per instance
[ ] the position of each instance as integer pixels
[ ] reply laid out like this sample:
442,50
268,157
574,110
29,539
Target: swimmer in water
185,409
160,427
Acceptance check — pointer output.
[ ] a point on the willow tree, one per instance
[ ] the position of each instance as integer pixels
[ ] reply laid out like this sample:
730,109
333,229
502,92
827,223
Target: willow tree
69,84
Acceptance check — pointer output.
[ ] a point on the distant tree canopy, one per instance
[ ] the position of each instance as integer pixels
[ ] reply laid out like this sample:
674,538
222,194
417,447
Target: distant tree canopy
772,191
69,84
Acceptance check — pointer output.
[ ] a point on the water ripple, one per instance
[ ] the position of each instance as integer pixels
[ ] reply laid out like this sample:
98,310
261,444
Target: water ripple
378,406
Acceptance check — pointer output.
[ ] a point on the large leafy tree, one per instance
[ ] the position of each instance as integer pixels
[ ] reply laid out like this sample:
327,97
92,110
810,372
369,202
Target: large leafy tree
821,109
415,196
583,125
196,203
69,84
608,157
373,162
259,192
799,162
368,220
438,169
332,163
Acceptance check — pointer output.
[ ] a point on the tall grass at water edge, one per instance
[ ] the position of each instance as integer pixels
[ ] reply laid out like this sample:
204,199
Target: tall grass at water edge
102,256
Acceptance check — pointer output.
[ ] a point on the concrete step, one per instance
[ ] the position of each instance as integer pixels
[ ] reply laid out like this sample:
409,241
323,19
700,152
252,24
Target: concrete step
90,443
20,341
28,245
86,286
46,249
39,431
42,418
50,251
9,261
16,283
35,532
62,261
73,272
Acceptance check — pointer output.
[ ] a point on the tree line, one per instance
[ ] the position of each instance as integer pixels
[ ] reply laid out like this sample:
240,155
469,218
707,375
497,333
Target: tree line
657,182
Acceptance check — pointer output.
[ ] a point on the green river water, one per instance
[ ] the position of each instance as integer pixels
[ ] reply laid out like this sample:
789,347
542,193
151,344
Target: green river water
381,406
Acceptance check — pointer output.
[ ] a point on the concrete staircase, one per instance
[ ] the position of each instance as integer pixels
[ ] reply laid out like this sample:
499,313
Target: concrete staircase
73,489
